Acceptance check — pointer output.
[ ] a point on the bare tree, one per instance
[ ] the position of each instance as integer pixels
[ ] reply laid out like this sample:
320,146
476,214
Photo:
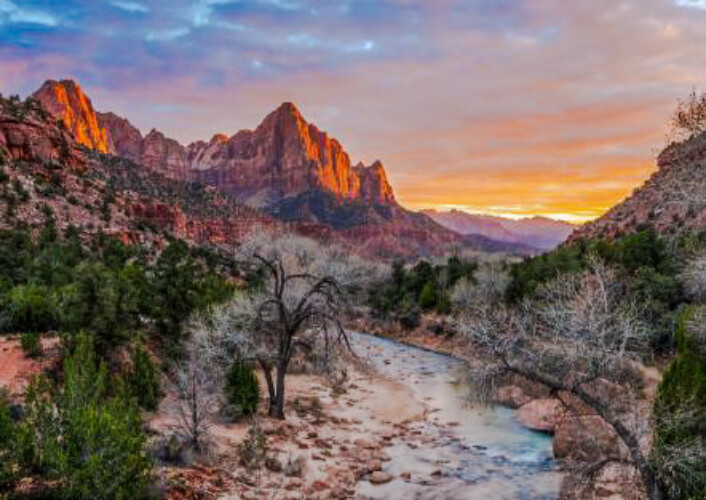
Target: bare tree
299,306
581,334
196,403
690,117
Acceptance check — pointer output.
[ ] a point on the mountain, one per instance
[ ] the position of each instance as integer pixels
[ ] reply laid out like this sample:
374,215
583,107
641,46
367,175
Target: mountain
671,201
286,167
535,232
46,169
66,100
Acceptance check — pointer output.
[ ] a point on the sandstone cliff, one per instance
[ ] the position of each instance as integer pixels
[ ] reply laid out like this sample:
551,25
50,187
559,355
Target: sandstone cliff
66,101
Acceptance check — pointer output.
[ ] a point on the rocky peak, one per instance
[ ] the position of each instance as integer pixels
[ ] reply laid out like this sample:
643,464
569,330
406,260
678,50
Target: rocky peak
126,139
374,186
66,100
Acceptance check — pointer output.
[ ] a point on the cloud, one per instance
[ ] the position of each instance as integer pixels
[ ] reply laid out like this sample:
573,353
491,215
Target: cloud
697,4
131,7
554,107
11,13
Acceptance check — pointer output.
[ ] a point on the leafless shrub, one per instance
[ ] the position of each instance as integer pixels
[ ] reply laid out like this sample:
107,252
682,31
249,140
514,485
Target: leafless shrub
196,405
689,119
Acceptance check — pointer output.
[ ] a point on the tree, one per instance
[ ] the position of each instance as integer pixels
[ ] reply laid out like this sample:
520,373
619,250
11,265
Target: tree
242,388
679,451
294,301
690,116
583,332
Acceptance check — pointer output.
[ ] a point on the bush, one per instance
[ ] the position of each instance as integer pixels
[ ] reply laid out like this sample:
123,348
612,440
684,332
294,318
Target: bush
91,443
31,344
427,299
242,389
252,451
31,308
8,445
144,379
680,420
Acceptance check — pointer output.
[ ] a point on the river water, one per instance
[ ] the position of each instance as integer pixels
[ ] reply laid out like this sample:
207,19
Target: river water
457,452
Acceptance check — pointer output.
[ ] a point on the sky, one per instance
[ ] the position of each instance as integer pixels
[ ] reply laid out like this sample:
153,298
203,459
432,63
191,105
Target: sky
508,107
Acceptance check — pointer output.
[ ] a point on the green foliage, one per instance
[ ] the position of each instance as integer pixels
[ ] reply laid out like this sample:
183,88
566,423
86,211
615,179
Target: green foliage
242,388
423,287
3,175
57,283
8,445
31,308
87,442
31,344
427,298
680,419
144,379
645,265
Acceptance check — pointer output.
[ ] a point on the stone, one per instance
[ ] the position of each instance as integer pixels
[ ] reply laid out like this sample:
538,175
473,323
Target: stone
66,101
379,477
511,396
374,465
587,438
540,414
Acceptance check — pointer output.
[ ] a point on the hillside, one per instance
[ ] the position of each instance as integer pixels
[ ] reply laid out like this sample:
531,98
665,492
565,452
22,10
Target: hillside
671,201
47,170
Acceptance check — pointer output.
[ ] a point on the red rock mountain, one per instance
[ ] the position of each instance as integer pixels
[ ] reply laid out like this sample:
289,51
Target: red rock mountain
135,203
66,101
672,200
286,166
284,156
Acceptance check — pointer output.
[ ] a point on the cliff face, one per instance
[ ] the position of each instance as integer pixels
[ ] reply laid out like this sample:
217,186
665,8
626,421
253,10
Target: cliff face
66,101
672,200
284,156
36,154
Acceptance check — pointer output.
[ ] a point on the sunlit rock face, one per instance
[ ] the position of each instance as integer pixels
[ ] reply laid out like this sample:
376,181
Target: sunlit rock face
66,101
285,156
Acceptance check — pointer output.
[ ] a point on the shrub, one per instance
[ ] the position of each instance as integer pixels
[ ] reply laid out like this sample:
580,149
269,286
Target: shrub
92,444
252,451
31,308
680,420
242,389
3,176
31,344
144,379
427,299
8,446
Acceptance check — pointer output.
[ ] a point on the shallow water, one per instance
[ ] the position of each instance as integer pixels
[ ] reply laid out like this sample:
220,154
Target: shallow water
458,452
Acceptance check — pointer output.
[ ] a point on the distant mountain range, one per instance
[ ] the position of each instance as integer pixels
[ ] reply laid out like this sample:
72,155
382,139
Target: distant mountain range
536,232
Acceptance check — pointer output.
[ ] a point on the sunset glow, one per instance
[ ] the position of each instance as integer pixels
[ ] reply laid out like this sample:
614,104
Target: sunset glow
505,107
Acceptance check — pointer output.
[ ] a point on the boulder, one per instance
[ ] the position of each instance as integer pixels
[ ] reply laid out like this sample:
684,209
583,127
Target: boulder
586,438
540,414
511,396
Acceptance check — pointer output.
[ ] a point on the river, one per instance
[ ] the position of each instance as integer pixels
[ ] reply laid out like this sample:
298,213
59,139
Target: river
459,452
